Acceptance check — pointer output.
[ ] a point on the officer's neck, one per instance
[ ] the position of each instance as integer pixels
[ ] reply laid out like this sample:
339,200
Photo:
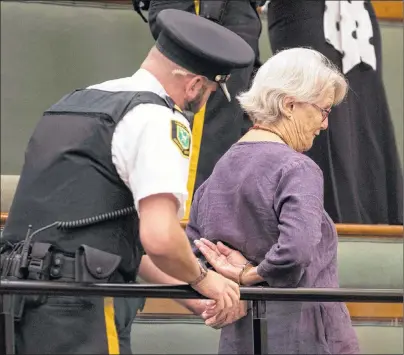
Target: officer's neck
171,85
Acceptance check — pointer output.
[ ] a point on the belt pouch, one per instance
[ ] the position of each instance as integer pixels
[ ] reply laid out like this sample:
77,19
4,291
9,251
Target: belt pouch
38,269
94,265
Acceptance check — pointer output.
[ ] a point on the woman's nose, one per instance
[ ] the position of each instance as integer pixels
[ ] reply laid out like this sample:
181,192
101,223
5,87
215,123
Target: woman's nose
324,124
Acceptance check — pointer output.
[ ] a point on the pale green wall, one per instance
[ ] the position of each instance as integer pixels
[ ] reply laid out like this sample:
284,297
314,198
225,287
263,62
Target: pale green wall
174,337
48,50
392,37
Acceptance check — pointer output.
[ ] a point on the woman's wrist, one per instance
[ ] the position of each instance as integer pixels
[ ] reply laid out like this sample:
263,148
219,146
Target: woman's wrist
235,274
250,276
246,267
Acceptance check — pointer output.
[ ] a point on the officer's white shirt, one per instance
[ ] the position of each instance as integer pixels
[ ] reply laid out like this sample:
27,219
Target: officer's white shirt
143,151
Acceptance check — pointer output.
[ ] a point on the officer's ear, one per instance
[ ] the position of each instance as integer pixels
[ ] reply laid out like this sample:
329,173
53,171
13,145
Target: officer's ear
195,85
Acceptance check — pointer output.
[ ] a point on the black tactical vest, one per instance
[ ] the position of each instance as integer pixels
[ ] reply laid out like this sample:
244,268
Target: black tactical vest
68,174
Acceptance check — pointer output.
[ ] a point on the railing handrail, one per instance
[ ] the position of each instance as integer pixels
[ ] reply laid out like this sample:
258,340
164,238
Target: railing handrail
343,229
185,291
380,230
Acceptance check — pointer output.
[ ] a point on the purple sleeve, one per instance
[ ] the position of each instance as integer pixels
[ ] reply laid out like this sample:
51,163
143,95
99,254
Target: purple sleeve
192,229
298,204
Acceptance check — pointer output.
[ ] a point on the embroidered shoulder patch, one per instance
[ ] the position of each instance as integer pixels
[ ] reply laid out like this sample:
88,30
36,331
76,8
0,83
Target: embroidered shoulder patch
181,137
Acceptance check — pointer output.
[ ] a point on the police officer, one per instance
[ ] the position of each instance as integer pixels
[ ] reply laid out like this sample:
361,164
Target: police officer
221,123
120,151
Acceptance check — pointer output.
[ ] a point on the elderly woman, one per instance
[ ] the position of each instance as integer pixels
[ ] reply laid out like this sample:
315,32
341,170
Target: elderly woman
264,200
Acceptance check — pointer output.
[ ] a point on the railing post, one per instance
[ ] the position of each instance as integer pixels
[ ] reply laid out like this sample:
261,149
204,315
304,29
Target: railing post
2,327
257,341
259,329
7,337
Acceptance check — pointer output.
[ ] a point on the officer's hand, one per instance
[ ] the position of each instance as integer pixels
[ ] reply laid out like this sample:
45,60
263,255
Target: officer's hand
197,306
213,321
225,292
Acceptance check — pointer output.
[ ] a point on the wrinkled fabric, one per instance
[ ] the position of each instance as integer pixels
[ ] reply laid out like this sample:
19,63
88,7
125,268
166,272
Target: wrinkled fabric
266,200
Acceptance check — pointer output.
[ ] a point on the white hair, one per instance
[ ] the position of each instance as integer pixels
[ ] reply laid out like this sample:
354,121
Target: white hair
300,73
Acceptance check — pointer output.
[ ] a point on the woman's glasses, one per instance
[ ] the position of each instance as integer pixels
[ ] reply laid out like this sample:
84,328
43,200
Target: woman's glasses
324,111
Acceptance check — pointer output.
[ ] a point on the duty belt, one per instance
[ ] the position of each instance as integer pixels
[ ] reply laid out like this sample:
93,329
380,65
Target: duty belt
62,268
45,262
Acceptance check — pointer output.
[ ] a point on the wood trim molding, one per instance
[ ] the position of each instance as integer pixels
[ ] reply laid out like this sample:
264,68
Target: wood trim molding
388,10
363,311
376,310
3,218
370,230
164,306
343,230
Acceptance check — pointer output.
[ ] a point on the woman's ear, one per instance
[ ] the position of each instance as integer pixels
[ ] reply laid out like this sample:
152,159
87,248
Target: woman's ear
287,106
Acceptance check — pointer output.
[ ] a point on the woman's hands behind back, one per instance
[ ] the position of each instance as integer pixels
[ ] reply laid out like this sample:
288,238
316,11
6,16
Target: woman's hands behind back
226,261
229,263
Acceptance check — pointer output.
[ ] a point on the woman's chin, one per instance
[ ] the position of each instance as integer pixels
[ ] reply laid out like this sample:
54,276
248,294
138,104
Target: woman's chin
307,147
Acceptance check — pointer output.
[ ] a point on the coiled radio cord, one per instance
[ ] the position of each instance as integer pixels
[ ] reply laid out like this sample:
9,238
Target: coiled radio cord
84,222
96,219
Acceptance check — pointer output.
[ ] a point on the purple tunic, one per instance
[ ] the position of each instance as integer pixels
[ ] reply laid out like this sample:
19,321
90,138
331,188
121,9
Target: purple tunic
266,200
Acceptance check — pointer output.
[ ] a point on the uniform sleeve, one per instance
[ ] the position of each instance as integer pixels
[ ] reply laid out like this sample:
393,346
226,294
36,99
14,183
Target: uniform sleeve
151,148
298,204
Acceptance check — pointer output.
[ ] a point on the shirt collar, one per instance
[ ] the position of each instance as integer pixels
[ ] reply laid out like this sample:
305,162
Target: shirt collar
149,82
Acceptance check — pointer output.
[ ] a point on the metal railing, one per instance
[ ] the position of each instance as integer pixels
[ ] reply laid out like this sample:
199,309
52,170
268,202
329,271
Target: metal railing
185,291
254,294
